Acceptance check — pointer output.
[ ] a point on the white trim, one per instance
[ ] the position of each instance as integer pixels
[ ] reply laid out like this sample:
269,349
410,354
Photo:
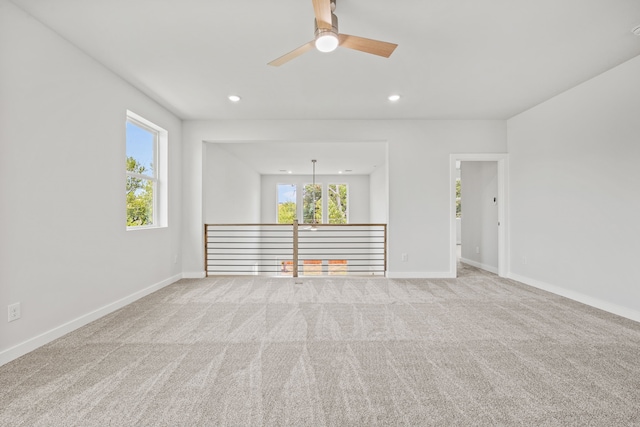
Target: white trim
145,227
419,275
579,297
489,268
137,175
194,275
31,344
503,170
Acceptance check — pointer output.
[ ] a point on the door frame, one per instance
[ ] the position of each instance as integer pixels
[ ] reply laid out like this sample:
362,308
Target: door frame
503,168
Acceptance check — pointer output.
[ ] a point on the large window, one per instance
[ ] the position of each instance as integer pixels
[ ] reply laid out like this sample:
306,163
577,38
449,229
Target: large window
287,207
338,204
146,145
312,204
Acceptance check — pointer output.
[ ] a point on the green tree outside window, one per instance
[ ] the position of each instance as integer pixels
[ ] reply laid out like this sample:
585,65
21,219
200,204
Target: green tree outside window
337,204
139,196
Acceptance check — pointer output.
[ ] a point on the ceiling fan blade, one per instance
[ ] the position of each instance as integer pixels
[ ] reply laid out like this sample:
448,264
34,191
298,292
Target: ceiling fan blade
293,54
374,47
322,9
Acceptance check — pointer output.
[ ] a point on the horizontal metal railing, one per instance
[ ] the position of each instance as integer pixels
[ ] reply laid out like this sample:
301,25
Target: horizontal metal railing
295,250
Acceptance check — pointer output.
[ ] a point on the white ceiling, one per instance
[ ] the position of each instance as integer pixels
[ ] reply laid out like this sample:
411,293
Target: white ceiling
457,59
278,158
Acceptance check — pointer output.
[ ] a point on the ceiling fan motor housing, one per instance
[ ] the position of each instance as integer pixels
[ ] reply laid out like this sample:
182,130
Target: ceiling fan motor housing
334,27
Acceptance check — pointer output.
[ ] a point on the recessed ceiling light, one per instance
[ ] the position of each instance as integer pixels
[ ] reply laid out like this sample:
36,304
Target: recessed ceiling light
394,98
339,171
636,30
289,171
234,98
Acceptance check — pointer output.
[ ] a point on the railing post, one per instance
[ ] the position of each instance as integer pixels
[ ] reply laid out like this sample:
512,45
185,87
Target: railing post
295,248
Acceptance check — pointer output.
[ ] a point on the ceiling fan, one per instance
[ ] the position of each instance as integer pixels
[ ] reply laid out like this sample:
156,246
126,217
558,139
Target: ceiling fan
327,37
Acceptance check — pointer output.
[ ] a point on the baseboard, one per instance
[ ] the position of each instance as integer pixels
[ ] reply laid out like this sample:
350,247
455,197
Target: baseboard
579,297
194,275
31,344
419,275
489,268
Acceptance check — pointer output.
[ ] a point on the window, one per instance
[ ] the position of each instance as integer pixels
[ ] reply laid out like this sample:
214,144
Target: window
146,176
287,207
313,209
312,204
458,199
338,203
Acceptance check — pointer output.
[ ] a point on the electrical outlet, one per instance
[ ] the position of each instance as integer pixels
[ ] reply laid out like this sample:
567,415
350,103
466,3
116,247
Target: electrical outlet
524,260
175,259
405,257
477,249
14,312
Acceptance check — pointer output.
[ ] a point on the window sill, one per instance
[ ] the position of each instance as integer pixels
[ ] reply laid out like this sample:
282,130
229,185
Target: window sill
146,227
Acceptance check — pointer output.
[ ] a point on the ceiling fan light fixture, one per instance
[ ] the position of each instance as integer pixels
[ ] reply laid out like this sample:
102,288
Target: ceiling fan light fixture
328,37
394,98
326,41
234,98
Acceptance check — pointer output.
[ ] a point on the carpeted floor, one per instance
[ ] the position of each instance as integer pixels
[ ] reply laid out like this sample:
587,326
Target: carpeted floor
474,351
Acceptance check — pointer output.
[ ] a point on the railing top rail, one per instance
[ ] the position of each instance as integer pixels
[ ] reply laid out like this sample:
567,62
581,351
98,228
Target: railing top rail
299,225
247,224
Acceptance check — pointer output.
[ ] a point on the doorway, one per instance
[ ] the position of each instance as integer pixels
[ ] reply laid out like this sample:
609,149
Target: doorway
485,245
477,212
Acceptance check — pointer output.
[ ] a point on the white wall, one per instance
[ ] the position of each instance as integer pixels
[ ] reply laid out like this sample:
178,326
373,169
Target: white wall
378,195
358,194
479,225
418,168
574,192
231,188
65,254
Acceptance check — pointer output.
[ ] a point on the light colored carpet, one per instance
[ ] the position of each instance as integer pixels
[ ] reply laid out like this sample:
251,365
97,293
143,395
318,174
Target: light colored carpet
474,351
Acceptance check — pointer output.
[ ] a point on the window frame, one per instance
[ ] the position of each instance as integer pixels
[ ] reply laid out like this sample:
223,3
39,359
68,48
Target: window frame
159,176
294,185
